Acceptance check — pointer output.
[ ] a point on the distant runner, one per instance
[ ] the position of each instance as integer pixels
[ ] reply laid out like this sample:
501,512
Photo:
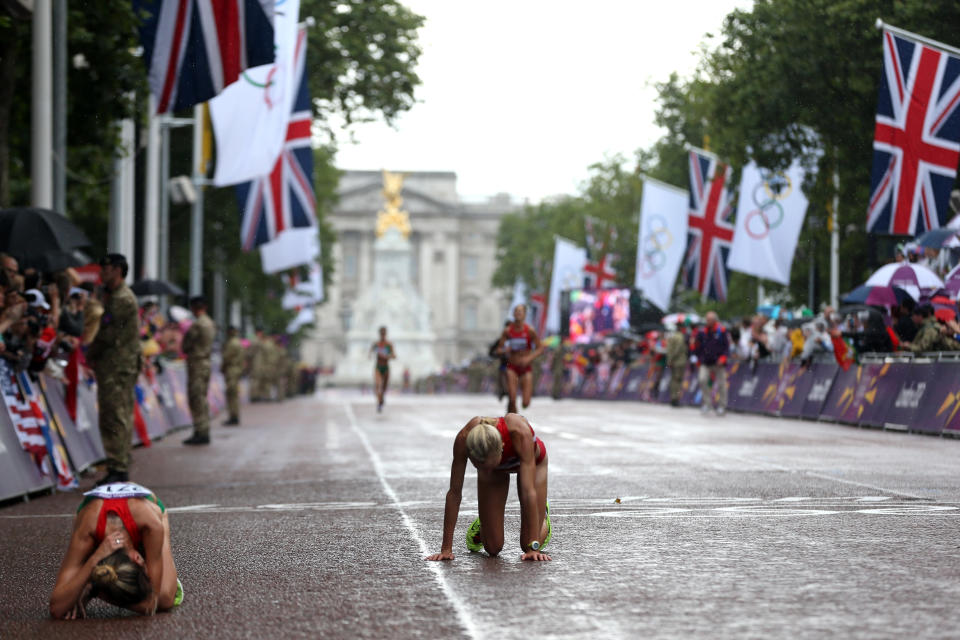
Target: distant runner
498,447
521,345
381,372
119,552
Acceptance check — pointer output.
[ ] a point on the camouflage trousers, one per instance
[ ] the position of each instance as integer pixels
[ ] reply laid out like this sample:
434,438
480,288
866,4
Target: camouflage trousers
198,382
260,387
233,395
115,398
676,382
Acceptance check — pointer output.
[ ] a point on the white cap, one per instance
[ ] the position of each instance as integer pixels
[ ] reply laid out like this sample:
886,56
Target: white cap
38,299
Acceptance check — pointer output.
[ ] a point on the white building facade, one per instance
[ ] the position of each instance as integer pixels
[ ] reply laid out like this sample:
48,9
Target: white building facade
453,259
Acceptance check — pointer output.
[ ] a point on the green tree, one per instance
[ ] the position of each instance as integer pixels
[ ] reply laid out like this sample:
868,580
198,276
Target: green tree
101,44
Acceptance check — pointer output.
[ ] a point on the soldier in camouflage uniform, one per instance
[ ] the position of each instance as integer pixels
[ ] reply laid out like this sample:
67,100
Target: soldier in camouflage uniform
259,356
232,367
198,346
677,362
115,356
278,370
931,336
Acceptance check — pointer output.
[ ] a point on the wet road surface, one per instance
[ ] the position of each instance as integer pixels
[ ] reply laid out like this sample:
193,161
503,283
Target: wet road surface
311,521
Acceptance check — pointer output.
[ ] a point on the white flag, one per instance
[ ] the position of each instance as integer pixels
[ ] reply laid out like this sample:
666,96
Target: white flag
250,116
305,316
292,248
306,293
770,215
519,295
568,263
661,240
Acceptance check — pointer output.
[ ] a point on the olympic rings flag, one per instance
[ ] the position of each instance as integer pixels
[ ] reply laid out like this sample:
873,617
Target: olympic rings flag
770,215
250,116
661,240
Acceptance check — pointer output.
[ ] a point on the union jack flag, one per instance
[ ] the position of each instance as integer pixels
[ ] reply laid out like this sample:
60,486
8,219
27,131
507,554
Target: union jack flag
285,198
21,414
599,268
710,233
916,145
195,48
52,440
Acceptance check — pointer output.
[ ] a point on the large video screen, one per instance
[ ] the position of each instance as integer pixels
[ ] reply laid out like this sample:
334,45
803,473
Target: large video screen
594,313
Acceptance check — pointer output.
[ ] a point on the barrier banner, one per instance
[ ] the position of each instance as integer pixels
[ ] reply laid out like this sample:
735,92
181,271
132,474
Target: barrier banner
572,380
780,385
940,409
795,391
633,377
589,389
489,382
743,388
617,379
652,382
691,387
158,424
173,394
660,389
853,391
82,439
822,376
894,383
545,384
19,474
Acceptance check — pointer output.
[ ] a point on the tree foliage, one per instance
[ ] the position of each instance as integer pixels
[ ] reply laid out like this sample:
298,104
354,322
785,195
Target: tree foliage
361,62
785,79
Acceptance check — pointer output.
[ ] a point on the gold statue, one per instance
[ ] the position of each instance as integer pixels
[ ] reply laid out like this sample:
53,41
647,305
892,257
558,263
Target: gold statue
392,215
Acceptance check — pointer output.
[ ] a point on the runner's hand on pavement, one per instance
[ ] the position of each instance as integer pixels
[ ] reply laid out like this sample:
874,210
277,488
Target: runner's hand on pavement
443,555
535,556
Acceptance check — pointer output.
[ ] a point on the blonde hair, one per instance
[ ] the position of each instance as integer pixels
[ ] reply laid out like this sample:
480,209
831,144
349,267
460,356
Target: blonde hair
121,579
484,440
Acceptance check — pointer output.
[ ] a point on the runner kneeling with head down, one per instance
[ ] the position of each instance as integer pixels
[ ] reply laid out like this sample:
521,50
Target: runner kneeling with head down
119,552
498,447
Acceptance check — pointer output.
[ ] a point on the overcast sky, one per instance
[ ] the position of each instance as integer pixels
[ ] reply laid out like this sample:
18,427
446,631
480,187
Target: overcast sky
522,96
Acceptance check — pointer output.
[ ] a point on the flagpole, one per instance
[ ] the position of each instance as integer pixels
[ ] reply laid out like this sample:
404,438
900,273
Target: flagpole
835,235
196,215
880,24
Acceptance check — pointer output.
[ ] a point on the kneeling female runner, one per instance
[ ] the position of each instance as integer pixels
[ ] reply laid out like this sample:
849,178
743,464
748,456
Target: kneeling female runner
119,552
498,447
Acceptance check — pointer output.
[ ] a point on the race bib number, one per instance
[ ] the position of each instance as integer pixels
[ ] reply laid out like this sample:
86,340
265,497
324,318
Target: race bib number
119,490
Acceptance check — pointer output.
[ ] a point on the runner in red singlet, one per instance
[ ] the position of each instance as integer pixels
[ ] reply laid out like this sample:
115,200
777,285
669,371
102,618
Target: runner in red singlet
383,348
498,447
120,552
522,345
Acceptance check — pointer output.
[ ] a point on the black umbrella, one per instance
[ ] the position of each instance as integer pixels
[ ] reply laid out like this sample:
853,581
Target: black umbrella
29,234
156,288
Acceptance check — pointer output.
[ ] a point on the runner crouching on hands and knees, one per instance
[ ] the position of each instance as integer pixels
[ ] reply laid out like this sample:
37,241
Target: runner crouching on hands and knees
498,447
120,552
521,345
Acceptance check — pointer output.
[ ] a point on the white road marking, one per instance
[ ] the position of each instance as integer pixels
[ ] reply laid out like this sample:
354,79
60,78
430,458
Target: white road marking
631,507
434,567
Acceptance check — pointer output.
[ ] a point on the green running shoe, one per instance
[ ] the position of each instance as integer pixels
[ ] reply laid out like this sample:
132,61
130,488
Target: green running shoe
471,534
549,529
177,599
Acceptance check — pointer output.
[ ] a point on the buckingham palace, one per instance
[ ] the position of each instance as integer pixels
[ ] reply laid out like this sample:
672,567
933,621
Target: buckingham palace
452,248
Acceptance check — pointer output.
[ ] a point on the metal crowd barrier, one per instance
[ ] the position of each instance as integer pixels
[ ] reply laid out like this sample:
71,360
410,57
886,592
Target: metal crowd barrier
27,467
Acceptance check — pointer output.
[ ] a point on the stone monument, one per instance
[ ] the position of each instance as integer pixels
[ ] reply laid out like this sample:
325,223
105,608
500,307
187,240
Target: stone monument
391,300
